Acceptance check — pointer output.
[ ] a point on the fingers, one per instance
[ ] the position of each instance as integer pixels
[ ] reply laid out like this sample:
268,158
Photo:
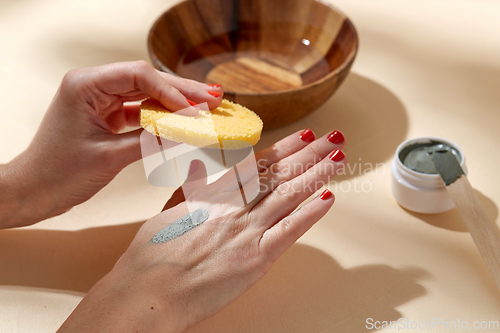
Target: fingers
103,86
264,159
133,81
288,195
277,239
283,148
106,88
299,162
149,81
196,91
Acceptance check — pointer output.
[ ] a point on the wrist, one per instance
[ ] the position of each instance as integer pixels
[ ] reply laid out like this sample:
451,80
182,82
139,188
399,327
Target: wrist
118,303
22,201
12,205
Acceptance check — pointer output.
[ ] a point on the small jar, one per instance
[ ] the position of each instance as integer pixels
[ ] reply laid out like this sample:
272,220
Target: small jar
421,192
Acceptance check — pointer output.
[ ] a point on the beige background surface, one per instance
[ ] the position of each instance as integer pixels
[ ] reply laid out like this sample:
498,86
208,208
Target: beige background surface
424,68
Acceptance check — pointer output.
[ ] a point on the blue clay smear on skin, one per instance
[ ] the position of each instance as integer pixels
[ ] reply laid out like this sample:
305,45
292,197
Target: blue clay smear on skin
181,226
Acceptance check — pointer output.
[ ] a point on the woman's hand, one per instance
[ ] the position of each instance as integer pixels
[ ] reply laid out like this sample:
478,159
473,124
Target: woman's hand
77,149
168,286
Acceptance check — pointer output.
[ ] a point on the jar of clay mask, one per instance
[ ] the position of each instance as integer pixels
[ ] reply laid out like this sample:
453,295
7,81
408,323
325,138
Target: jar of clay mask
416,185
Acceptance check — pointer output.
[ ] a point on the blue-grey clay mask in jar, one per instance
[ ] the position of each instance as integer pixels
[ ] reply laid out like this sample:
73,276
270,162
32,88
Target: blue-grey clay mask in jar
416,185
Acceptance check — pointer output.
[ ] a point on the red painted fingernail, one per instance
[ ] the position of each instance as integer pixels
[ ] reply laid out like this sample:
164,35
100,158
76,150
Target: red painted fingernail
307,136
336,137
337,155
326,195
214,85
213,93
191,102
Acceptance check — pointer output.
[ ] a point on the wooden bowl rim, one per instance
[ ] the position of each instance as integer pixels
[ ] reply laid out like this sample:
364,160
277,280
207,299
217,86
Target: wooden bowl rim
347,62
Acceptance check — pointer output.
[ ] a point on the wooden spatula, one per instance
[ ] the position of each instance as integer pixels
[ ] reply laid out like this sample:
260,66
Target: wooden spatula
483,232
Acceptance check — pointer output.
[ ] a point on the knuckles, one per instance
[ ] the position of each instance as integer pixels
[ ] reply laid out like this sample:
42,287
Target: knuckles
281,171
285,190
140,66
72,79
314,152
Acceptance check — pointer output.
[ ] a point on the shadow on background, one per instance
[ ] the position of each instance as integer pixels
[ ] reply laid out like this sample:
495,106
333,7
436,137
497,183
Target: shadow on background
9,5
451,220
372,118
64,260
305,291
308,291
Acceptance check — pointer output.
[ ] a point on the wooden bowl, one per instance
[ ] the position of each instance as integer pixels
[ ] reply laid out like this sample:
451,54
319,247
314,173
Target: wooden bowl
280,58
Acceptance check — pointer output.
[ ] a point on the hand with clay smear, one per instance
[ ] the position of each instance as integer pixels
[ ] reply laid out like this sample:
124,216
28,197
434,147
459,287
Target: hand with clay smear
206,249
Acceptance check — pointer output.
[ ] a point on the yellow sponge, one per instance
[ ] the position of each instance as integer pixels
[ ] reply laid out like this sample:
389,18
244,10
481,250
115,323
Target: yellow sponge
235,126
